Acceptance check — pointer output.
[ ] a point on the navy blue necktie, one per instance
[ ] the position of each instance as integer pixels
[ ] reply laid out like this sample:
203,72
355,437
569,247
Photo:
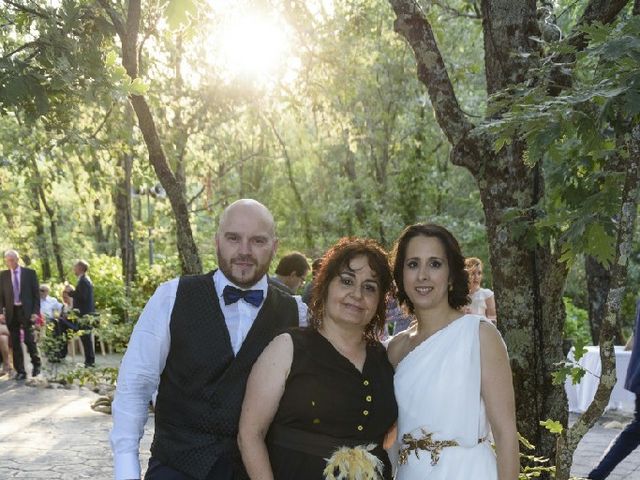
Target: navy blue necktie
232,294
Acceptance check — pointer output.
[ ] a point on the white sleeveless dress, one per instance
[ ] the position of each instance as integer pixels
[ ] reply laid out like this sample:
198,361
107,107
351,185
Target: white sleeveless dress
437,388
479,301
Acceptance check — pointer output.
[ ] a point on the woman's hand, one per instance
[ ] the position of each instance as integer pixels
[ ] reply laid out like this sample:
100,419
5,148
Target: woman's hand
264,391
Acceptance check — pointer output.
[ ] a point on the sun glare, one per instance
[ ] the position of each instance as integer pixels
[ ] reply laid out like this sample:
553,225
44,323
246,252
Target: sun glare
252,47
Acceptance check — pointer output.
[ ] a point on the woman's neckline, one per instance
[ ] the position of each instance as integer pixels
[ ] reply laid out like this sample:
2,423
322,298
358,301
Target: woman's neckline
340,352
425,340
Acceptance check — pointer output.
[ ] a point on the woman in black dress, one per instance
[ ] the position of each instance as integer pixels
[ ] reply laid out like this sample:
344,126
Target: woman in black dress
328,388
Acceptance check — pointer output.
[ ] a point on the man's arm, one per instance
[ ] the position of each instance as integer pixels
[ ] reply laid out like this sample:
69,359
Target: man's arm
302,311
35,293
138,380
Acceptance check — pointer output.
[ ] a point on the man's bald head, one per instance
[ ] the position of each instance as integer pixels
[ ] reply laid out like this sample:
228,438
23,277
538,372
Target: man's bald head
247,207
245,242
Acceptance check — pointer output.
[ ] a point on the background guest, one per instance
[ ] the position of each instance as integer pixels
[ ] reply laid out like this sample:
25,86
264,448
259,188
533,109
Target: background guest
482,299
48,305
83,302
396,319
19,308
291,273
64,323
629,438
308,289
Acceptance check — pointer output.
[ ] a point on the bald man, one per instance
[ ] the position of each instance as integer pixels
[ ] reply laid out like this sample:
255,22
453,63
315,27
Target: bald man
19,307
195,343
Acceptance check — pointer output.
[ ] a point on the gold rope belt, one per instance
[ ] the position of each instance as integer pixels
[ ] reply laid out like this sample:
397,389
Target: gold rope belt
427,443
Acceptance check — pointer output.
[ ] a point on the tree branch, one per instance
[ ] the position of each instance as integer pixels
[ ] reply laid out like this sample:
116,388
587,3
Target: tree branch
130,40
25,9
24,46
102,123
455,12
604,11
195,197
115,17
413,25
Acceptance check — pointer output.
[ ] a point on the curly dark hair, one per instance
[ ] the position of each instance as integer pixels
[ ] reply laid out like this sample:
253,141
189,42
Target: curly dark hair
333,261
458,277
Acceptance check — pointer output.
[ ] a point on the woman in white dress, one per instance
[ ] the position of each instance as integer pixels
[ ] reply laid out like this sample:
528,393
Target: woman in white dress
453,381
482,299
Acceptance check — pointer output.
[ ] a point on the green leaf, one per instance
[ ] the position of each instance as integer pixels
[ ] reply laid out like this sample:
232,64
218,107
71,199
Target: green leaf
576,374
552,425
179,11
560,375
501,142
110,59
138,87
599,244
579,349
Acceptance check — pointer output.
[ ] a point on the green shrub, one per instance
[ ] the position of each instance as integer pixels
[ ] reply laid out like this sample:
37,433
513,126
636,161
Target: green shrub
576,326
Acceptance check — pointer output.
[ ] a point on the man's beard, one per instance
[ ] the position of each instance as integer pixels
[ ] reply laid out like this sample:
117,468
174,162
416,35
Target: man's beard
244,281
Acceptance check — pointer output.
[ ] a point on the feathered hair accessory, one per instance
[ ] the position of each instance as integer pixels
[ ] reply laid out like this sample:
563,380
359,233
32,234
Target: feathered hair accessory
356,463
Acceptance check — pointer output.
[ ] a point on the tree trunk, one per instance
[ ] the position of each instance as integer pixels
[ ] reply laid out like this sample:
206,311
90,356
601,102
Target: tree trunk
598,281
101,238
124,220
41,236
127,31
181,134
529,284
53,227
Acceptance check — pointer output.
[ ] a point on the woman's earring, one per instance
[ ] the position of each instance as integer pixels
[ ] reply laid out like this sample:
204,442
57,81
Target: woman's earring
451,287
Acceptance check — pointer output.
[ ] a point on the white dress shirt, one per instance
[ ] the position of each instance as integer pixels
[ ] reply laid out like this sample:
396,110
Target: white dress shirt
145,360
48,306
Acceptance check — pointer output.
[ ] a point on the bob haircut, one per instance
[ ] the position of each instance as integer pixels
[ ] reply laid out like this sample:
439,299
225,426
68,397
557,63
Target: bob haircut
334,261
458,278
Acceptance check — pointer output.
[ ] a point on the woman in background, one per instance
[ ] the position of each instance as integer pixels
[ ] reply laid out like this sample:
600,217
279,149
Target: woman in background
482,299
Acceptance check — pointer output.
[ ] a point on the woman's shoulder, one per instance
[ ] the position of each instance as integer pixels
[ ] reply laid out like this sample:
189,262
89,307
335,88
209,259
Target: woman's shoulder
396,348
485,293
489,335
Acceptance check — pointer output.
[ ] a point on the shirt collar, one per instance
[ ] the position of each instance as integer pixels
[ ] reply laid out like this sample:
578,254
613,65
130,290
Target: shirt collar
220,281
